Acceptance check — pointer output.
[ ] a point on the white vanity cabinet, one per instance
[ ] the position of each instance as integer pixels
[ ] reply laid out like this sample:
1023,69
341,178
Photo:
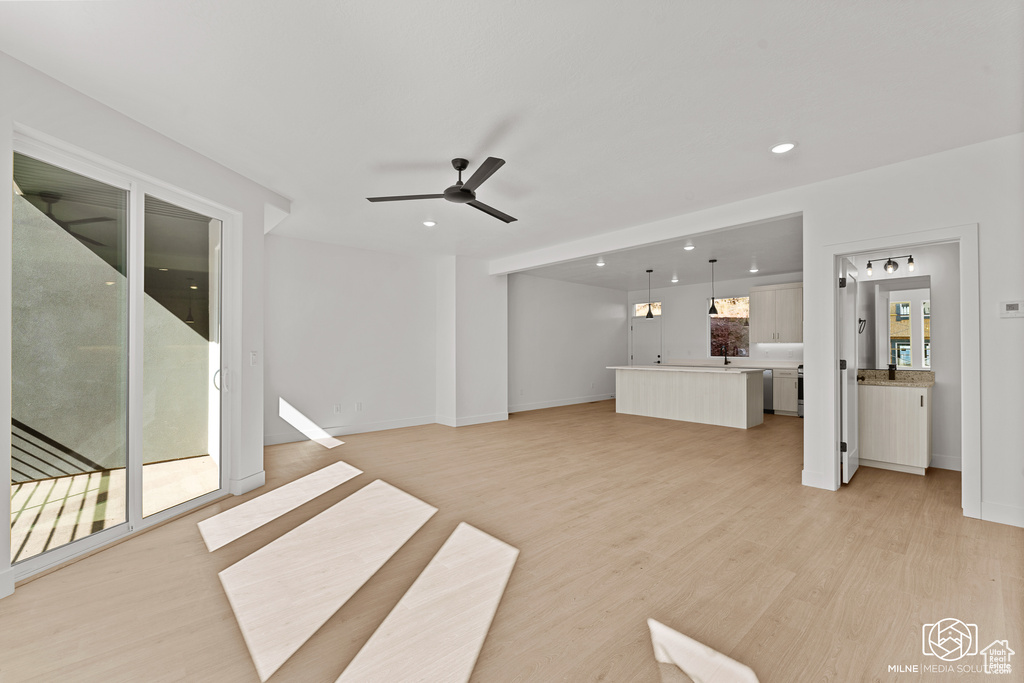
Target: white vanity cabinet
895,427
777,313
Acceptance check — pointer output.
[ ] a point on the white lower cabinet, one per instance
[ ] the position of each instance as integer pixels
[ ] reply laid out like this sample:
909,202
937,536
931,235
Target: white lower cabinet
895,427
785,392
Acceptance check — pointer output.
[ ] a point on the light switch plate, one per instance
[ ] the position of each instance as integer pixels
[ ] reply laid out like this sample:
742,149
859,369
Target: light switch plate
1011,309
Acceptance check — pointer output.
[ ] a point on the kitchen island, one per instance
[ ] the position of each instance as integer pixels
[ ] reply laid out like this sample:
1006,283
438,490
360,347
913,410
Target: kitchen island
729,397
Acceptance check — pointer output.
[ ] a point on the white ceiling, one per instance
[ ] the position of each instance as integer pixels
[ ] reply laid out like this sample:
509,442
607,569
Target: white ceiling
609,114
776,247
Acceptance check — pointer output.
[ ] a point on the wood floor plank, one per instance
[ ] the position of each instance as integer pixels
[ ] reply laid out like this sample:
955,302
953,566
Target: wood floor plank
235,522
285,591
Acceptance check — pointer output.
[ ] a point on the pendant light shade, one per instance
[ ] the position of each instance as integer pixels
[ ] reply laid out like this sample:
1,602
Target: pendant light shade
714,309
190,320
650,305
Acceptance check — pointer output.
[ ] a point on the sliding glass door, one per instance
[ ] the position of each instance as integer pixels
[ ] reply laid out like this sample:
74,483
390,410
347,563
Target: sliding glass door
69,357
116,357
181,358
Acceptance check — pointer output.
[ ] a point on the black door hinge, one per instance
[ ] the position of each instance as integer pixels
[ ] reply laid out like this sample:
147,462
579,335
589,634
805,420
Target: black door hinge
842,446
842,364
842,282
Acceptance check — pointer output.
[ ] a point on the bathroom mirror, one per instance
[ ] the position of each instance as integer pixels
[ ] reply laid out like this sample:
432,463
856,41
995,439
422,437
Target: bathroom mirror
896,323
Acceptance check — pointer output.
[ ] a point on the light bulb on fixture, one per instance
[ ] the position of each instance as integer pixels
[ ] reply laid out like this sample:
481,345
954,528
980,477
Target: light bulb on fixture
910,264
891,266
869,269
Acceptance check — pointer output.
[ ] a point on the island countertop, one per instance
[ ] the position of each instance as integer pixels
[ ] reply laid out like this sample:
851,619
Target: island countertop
724,396
684,368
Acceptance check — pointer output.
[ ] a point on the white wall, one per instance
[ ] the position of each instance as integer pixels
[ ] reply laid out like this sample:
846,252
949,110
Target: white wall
347,326
561,337
906,203
685,318
481,343
31,100
941,264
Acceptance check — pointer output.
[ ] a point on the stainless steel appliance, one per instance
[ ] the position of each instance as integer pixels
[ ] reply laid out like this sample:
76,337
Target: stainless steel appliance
800,390
769,393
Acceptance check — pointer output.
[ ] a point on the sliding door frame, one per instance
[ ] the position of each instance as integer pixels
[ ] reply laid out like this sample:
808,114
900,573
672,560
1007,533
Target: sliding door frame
138,185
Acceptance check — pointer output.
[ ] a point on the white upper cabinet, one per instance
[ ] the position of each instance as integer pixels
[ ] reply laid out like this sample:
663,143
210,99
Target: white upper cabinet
777,313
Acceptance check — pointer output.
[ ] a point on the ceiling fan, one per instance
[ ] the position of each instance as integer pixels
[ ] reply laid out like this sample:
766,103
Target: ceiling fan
462,193
51,198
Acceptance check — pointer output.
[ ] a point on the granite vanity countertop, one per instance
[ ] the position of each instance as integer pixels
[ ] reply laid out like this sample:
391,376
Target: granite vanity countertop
904,378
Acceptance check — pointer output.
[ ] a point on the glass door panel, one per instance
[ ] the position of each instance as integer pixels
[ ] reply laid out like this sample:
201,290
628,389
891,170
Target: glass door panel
181,356
69,357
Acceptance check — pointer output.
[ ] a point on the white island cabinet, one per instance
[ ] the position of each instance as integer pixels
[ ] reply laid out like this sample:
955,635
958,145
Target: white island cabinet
729,397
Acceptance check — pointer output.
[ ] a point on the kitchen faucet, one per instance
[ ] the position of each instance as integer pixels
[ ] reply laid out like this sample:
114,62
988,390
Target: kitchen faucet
725,348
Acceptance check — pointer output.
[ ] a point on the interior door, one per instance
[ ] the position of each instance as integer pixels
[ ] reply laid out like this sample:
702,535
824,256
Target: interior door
645,341
850,455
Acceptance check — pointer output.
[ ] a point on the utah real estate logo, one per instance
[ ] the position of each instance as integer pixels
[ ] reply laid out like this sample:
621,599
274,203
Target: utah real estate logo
952,640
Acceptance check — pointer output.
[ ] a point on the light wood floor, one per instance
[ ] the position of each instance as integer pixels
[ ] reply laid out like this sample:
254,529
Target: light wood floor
617,518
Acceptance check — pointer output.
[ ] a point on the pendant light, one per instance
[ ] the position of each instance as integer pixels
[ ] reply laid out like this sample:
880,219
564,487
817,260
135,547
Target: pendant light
190,320
713,310
650,306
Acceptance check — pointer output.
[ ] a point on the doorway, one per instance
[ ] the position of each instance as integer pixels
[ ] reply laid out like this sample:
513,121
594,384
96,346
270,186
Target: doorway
899,332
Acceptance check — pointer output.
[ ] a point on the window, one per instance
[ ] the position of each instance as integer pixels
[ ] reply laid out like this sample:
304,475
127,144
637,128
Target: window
640,310
926,325
730,329
900,334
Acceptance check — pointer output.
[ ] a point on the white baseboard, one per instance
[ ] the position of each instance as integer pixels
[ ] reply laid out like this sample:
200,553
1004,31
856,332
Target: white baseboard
947,462
540,405
816,480
1003,514
295,435
480,419
445,420
6,582
239,486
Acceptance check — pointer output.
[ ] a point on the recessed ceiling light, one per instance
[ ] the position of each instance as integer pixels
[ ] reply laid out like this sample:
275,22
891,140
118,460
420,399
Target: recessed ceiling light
429,224
109,282
193,286
784,147
162,269
600,262
689,247
675,279
753,269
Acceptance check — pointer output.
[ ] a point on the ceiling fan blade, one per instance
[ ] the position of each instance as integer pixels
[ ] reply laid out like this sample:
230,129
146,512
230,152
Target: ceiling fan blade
491,211
85,221
87,240
485,171
404,197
